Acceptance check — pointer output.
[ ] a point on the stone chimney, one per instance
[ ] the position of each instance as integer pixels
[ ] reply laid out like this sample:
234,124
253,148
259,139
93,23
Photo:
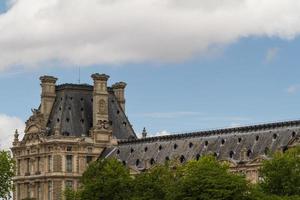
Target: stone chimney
144,133
101,130
48,95
119,90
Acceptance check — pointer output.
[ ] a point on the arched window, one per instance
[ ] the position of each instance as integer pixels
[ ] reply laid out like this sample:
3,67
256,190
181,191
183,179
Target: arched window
160,148
256,138
239,140
267,151
198,156
191,144
152,161
137,162
231,154
175,146
146,149
182,159
249,153
206,143
223,141
274,136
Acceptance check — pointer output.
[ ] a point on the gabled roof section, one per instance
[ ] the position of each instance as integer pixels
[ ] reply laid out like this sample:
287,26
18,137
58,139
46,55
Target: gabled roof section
72,112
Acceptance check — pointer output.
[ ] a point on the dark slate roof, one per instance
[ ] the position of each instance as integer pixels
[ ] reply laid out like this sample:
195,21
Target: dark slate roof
72,112
235,144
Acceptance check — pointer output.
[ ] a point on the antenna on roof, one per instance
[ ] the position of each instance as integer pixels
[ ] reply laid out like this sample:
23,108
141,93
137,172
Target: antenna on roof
79,75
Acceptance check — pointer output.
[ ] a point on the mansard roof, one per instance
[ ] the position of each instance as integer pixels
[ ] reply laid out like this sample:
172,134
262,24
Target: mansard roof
233,144
72,112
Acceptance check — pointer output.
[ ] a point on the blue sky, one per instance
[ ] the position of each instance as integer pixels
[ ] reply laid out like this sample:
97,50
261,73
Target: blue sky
252,80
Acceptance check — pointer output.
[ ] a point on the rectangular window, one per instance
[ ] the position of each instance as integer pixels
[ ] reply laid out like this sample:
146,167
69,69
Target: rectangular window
39,190
49,190
18,167
89,159
69,148
69,163
28,190
27,164
38,164
49,163
69,184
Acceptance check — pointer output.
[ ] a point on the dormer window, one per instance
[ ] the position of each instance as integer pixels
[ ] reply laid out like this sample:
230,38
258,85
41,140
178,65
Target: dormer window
137,162
206,143
182,159
222,141
152,161
231,154
239,140
160,148
198,156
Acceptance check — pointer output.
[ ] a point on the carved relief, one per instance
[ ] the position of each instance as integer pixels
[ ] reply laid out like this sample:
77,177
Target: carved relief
102,107
103,124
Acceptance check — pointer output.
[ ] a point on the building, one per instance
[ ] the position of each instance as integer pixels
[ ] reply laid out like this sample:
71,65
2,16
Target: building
77,123
71,127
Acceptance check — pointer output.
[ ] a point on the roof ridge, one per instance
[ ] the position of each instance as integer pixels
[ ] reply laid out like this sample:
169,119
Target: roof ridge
214,132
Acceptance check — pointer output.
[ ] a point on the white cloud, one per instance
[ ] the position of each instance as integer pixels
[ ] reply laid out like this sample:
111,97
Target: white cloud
161,133
118,31
8,125
271,54
293,89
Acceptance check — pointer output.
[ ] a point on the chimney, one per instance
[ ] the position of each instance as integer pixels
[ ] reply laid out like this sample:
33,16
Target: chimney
48,95
144,133
119,90
101,128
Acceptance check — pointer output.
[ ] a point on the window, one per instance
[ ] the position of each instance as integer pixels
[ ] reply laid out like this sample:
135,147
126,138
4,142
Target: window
49,190
89,159
69,184
256,138
206,143
69,148
18,167
191,145
239,140
39,190
49,163
223,142
182,159
197,156
137,162
27,164
231,154
28,190
38,164
175,146
152,161
69,163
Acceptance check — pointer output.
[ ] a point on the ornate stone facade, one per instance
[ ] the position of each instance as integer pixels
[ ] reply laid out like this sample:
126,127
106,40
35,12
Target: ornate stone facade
72,126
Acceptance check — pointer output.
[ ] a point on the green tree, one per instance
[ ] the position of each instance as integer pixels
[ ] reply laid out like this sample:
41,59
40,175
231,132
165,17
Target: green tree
70,194
6,173
106,179
155,184
207,179
281,174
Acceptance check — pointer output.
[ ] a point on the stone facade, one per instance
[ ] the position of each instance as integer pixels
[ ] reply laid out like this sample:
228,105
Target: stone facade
72,126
